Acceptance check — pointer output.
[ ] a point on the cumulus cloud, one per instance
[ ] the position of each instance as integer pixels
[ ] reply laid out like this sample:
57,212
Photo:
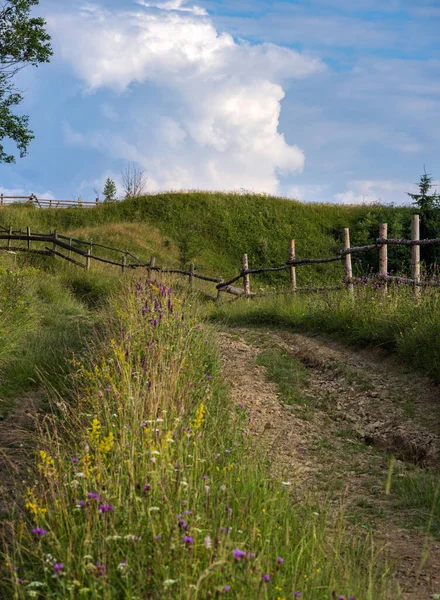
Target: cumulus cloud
368,191
219,128
47,195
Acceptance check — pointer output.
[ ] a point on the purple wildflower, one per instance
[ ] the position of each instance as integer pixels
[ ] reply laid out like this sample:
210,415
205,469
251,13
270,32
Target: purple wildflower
100,569
81,504
251,555
227,451
188,540
104,508
147,487
93,496
227,588
183,524
266,577
238,554
280,560
58,567
157,537
297,595
75,461
38,531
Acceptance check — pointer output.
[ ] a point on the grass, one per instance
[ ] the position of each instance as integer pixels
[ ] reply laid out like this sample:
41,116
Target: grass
148,485
394,321
215,229
45,316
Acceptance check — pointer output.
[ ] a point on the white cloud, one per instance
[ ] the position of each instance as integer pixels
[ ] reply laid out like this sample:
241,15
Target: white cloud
47,195
351,197
220,125
367,191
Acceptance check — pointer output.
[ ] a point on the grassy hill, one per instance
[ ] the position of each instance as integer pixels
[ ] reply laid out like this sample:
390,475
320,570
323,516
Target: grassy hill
215,229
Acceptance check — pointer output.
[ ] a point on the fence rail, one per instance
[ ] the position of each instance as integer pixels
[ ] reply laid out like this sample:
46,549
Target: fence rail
47,202
58,241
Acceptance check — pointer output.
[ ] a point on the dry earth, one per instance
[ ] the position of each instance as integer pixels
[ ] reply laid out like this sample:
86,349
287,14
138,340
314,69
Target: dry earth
365,405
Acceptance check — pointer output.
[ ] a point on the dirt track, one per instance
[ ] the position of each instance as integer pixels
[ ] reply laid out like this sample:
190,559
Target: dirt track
367,407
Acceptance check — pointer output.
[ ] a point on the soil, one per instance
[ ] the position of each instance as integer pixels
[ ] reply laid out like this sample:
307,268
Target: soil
363,407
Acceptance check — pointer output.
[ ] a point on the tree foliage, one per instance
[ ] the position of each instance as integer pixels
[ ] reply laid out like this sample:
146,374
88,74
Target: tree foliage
109,190
23,42
428,204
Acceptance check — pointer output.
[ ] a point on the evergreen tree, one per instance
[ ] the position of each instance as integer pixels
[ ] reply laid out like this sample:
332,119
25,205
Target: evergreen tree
428,204
109,190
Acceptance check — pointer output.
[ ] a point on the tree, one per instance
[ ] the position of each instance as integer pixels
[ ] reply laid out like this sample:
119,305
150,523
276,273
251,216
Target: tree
23,42
109,190
429,208
425,201
134,181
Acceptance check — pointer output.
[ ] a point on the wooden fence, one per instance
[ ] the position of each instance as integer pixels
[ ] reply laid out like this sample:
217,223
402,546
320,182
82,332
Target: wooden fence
57,242
46,203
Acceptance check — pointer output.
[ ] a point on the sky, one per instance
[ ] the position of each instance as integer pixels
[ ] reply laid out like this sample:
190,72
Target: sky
318,100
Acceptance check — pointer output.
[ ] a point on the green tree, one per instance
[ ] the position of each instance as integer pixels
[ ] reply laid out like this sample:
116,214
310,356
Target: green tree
428,204
23,42
109,190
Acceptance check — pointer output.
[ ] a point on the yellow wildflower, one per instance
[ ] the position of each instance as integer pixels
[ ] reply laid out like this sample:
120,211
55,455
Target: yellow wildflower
32,505
199,418
106,444
95,431
46,466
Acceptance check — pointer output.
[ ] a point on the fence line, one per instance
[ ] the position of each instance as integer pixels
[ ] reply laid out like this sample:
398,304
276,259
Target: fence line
381,244
48,203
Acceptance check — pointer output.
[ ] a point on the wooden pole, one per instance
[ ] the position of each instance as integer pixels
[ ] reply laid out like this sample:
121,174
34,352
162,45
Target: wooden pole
415,252
383,253
88,259
151,265
124,262
1,198
191,277
9,239
245,267
28,233
292,268
70,251
219,294
347,261
91,247
55,236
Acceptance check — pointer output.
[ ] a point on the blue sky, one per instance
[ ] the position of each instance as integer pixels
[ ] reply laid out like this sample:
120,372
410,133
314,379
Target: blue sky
321,100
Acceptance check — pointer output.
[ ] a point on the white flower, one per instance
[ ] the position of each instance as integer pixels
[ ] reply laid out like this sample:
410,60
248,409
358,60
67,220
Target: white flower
207,542
286,483
168,582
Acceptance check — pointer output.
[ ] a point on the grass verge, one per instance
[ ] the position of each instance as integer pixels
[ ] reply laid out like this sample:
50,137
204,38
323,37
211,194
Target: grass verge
148,485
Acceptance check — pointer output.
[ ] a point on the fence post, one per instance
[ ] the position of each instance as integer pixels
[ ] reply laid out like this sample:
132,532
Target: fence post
219,293
69,254
55,236
191,277
292,268
88,259
97,201
246,282
151,265
28,233
124,262
383,253
347,261
1,198
415,251
9,238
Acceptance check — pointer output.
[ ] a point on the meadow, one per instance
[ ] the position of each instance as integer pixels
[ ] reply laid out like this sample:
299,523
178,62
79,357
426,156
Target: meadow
146,481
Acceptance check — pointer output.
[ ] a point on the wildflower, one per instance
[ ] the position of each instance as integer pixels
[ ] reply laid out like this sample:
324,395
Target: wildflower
100,569
157,537
227,451
227,588
39,532
188,540
81,504
238,554
95,431
104,508
266,577
199,418
207,542
297,595
147,487
183,524
280,560
46,466
32,505
58,567
75,461
106,444
251,555
93,496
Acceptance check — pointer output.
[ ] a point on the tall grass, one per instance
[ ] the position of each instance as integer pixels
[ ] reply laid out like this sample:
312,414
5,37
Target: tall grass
149,486
393,320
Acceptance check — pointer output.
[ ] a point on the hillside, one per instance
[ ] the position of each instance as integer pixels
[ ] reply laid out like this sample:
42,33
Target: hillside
215,229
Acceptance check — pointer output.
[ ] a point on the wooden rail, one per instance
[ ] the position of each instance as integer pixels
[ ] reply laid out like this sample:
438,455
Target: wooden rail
48,203
381,244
